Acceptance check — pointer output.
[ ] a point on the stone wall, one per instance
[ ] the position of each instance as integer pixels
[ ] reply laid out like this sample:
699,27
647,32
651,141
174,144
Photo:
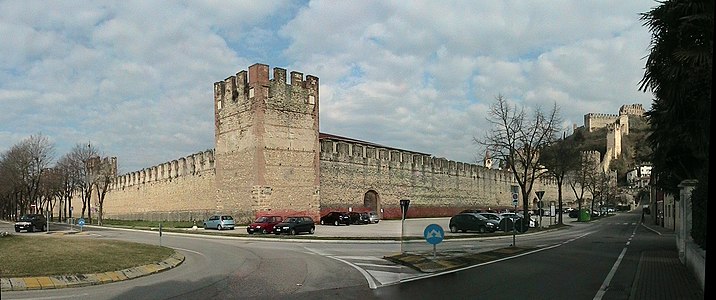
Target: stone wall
182,189
435,186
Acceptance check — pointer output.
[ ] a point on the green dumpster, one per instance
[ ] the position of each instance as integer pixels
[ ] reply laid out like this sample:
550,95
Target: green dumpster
584,215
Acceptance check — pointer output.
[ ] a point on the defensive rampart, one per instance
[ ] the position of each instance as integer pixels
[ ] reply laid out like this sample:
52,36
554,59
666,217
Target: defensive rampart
436,186
182,189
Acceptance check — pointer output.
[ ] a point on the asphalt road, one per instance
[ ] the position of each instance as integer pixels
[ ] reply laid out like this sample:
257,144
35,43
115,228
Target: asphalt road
573,265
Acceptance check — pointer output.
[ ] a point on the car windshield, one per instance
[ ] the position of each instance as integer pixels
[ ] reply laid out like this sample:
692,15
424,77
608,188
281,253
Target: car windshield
262,220
292,220
227,218
25,218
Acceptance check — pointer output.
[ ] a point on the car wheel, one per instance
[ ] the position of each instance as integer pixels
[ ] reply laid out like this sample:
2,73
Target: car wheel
482,229
292,231
323,223
335,223
17,230
250,232
42,228
218,227
264,231
31,229
453,229
312,231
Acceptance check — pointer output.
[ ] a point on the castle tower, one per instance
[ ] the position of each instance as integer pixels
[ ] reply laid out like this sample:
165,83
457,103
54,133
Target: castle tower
266,143
488,160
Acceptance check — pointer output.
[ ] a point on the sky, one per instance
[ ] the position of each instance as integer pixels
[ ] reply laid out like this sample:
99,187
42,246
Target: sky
135,78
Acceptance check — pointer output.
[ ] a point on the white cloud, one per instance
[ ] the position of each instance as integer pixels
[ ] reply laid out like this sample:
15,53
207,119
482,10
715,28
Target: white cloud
136,77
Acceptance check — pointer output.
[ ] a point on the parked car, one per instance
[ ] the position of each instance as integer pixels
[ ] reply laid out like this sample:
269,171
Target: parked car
465,222
263,224
31,222
374,218
532,223
472,211
359,218
491,216
336,218
219,222
295,225
574,213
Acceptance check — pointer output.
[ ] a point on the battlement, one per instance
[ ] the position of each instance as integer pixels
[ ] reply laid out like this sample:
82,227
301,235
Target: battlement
631,109
256,88
192,165
593,121
357,152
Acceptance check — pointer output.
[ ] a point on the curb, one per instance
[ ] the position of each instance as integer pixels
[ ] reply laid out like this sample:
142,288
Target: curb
427,263
67,281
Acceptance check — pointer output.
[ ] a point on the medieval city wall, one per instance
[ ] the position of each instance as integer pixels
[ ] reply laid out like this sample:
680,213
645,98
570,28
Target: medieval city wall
435,186
181,189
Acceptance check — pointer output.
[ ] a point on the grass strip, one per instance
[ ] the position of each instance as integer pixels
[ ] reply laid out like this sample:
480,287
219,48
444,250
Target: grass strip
23,256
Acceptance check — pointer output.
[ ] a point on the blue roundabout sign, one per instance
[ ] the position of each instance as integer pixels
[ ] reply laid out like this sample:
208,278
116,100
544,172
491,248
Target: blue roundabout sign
434,234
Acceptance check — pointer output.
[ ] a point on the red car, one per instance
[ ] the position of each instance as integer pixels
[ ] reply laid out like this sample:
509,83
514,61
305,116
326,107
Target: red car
264,224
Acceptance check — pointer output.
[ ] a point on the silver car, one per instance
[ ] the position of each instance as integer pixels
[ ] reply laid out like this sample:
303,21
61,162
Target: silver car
374,218
219,222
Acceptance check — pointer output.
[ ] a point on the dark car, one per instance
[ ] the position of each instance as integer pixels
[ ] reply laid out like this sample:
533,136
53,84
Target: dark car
264,224
295,225
336,218
359,218
574,213
471,222
31,222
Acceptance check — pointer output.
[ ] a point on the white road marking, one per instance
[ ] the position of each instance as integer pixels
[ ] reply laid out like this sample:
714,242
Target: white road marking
608,279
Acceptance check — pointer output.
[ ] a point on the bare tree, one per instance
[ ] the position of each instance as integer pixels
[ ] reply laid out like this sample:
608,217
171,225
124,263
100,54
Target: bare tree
80,156
24,164
105,171
70,182
50,189
580,178
559,159
518,139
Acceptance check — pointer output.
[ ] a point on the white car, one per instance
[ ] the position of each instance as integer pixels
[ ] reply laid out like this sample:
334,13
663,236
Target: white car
533,221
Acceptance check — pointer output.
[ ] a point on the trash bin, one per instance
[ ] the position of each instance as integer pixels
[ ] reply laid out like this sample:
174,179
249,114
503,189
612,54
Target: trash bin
584,215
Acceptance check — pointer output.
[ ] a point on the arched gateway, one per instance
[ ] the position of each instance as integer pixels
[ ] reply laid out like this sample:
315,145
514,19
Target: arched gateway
371,200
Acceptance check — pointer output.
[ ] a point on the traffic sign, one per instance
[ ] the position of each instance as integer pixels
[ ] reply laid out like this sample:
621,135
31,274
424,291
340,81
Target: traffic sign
81,222
539,195
433,234
404,207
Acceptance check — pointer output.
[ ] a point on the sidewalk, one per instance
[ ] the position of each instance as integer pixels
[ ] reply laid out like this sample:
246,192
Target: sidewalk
661,275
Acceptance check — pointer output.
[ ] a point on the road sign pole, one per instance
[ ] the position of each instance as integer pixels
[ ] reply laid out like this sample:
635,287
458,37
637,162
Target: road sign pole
404,204
514,226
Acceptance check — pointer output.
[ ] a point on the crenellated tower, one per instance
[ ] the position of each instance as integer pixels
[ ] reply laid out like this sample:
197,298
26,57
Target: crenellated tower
266,143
